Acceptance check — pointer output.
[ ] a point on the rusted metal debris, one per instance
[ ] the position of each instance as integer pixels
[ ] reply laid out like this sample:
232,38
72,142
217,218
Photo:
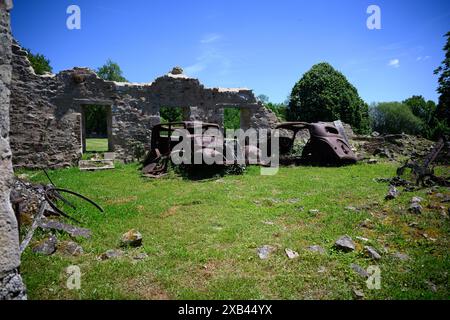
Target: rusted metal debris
53,193
328,144
73,231
48,203
424,173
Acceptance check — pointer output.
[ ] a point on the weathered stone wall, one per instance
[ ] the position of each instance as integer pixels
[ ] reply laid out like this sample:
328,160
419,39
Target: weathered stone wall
11,286
46,111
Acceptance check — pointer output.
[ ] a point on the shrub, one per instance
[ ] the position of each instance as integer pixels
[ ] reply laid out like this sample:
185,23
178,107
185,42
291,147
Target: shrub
395,117
324,94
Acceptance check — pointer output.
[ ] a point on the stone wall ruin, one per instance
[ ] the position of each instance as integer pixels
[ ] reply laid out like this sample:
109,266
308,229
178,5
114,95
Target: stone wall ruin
47,111
11,286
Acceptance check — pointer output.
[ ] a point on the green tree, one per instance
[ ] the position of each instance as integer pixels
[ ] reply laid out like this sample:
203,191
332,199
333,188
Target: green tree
231,118
96,121
324,94
443,72
169,114
111,71
395,117
280,110
39,62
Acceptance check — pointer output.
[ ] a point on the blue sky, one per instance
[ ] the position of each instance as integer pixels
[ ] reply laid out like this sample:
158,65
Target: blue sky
265,45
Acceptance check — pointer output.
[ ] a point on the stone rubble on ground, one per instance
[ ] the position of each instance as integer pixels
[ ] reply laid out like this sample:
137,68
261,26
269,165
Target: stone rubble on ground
47,246
111,254
358,294
372,253
359,270
70,248
265,251
132,238
291,254
392,193
345,243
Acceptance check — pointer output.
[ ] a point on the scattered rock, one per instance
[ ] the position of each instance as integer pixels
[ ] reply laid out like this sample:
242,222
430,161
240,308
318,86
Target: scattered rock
293,200
291,254
316,248
362,239
359,270
131,238
177,71
415,208
70,248
141,256
270,223
416,200
47,246
345,243
372,253
368,224
431,285
358,294
401,256
413,224
392,193
321,269
372,161
265,251
426,236
350,208
111,254
314,211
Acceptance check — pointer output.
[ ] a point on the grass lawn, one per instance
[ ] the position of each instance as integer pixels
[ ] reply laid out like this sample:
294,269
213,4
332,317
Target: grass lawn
99,145
201,237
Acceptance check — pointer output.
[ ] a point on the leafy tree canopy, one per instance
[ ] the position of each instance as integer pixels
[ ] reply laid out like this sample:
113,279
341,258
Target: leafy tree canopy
324,94
39,62
111,71
443,72
169,114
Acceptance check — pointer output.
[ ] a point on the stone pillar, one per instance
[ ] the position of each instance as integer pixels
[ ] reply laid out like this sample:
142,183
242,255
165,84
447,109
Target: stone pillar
11,286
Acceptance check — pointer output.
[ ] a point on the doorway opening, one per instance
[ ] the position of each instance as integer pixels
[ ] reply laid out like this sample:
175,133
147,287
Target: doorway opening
96,128
172,114
231,118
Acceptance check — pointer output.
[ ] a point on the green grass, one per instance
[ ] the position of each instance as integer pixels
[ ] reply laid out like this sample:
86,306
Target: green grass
98,145
201,237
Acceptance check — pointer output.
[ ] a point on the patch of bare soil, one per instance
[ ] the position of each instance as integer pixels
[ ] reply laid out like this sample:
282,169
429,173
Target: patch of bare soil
147,288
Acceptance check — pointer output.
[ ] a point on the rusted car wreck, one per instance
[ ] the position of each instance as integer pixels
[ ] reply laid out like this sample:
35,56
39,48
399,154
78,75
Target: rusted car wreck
165,137
328,144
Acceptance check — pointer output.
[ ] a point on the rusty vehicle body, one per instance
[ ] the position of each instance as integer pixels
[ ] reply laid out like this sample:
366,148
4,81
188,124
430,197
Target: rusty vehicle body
165,138
328,144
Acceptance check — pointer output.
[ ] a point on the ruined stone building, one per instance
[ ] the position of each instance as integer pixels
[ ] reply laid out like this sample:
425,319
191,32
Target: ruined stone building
47,112
11,286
